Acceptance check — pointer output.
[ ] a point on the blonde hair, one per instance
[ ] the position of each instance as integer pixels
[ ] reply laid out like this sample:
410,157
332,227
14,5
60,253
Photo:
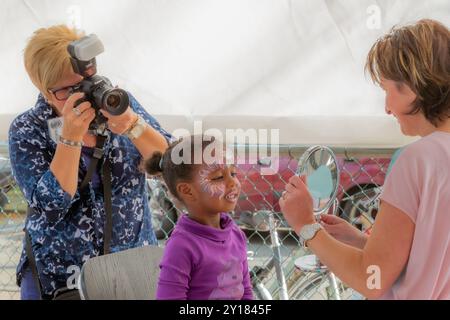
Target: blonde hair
46,57
417,55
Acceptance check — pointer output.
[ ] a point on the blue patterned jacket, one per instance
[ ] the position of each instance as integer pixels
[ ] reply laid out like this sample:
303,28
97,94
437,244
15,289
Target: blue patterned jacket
67,231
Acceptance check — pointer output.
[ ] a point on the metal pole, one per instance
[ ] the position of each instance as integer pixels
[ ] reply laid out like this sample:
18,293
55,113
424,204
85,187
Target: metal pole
334,286
277,256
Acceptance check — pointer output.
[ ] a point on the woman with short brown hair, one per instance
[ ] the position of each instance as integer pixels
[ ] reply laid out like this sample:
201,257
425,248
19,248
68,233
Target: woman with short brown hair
407,252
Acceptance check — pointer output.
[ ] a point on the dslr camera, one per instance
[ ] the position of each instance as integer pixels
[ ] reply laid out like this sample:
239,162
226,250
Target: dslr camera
98,90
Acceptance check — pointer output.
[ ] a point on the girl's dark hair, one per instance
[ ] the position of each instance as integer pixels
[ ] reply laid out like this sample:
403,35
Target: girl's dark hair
173,173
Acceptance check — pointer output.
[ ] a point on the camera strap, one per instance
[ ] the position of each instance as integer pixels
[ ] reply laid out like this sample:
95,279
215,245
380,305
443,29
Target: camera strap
98,154
107,190
31,260
61,294
107,193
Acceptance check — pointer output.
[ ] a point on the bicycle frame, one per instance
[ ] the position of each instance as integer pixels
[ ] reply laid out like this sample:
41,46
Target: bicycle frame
276,245
274,263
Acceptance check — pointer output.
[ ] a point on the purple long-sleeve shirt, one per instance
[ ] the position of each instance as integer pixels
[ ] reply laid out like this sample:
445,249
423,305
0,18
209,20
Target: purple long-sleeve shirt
204,263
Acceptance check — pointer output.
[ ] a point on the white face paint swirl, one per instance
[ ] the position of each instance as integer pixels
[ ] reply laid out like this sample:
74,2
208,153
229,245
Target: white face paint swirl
216,190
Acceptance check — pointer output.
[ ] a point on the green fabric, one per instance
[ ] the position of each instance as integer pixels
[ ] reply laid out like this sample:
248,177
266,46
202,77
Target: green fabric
393,159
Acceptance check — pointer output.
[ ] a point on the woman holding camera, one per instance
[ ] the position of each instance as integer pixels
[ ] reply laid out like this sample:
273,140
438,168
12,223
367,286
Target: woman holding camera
66,223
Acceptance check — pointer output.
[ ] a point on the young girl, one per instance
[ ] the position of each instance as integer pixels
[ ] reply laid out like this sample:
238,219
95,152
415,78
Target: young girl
206,255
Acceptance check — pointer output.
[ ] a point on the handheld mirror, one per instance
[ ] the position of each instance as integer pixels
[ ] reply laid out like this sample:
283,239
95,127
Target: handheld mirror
320,167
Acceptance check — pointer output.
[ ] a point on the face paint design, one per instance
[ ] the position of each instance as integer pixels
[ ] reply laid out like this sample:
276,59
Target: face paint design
216,190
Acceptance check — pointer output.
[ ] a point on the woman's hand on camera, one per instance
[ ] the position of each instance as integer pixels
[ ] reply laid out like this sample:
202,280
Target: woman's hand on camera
343,231
76,119
121,123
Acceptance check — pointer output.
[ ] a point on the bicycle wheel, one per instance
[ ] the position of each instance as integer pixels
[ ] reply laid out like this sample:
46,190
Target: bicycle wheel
361,208
307,287
317,286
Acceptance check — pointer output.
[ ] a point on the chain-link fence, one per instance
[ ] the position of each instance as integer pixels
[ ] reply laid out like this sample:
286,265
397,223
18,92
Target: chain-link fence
12,213
362,174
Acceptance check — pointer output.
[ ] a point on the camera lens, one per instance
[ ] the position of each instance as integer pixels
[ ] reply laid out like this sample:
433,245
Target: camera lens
113,101
116,101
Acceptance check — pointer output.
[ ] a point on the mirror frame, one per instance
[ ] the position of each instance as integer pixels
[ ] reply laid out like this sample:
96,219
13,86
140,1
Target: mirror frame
301,168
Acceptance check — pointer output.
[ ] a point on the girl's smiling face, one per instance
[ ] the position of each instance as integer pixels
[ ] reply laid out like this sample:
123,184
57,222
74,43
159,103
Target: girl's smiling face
217,187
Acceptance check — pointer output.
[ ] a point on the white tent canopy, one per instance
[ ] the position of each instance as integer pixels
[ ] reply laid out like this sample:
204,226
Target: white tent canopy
297,65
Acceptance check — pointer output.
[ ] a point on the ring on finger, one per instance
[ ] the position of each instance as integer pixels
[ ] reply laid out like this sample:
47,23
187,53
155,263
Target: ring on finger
76,111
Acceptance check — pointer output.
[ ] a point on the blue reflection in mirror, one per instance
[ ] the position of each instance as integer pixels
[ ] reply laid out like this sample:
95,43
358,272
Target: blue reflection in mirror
320,183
